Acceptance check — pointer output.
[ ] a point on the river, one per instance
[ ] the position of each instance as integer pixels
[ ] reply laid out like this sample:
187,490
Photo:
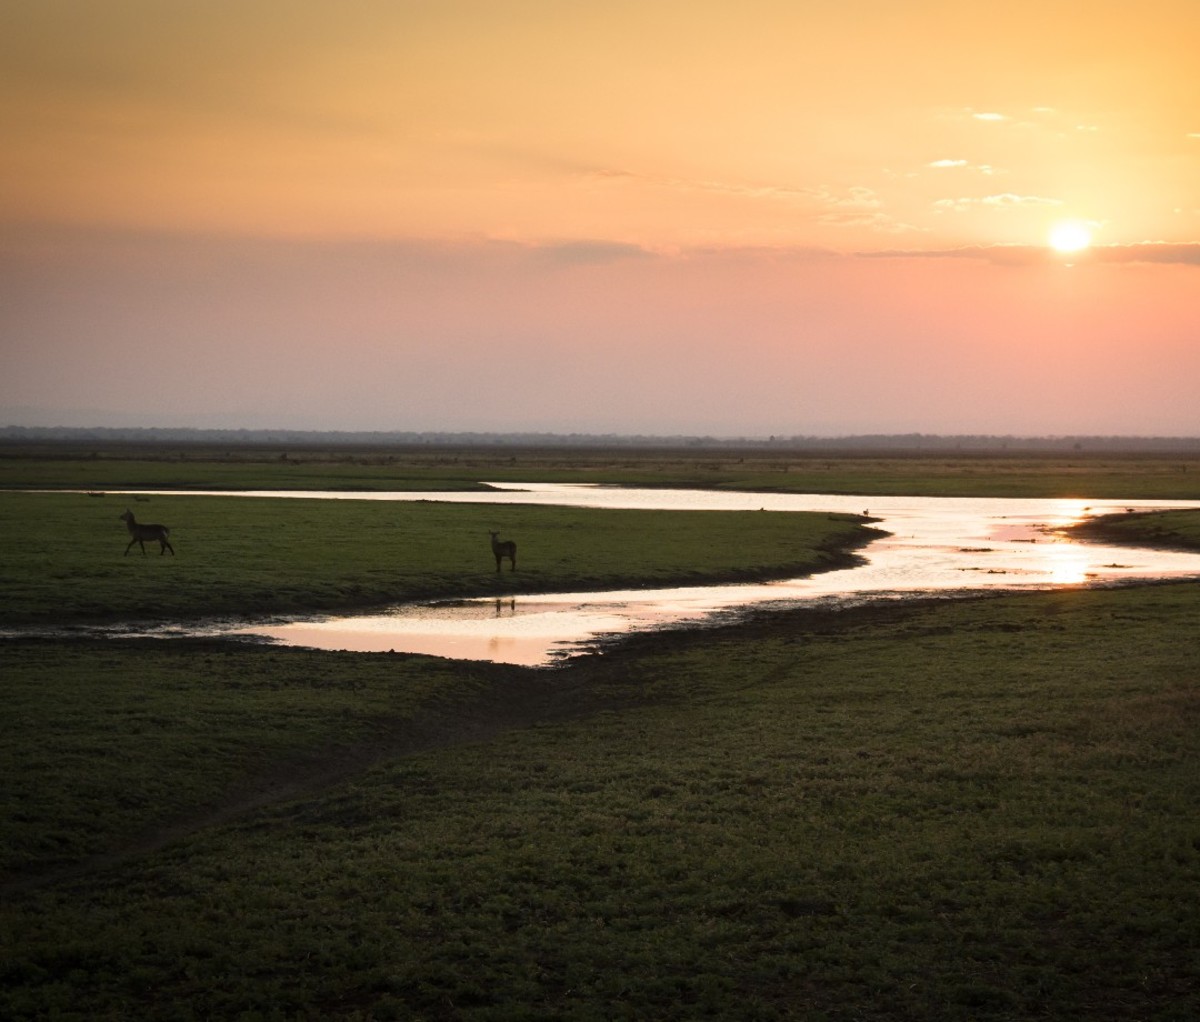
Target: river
933,546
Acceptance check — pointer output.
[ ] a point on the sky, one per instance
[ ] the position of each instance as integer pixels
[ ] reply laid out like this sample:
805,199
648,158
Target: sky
752,218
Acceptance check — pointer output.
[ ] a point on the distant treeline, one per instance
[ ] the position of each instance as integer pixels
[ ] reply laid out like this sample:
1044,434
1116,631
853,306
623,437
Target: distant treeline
898,442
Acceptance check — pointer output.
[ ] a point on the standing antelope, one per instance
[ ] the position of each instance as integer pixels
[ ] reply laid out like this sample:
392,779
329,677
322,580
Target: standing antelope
504,548
141,533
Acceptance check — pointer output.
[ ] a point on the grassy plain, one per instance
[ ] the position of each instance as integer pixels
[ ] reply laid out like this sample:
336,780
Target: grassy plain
1176,529
1081,475
64,560
975,809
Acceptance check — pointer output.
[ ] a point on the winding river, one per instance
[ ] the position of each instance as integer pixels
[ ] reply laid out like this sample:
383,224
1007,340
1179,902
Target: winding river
933,546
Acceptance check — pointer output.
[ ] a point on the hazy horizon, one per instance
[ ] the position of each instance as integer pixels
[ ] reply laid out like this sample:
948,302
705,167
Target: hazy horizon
907,442
641,218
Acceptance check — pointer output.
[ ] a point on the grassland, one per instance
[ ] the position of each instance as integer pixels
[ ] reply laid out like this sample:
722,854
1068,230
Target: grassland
975,809
978,810
1177,529
65,562
1083,475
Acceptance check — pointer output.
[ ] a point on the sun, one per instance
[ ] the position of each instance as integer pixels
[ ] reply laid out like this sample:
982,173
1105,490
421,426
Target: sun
1070,236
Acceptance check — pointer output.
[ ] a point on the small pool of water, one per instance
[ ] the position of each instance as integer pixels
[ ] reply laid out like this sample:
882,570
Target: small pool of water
933,545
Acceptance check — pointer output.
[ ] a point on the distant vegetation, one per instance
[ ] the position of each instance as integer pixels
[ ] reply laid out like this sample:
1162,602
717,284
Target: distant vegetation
896,443
113,465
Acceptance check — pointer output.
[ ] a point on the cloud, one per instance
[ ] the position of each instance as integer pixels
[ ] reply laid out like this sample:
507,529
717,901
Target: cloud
759,254
583,252
1009,255
981,168
1176,253
1041,118
1186,253
855,206
856,197
1009,199
876,221
737,189
471,253
747,191
858,207
1004,200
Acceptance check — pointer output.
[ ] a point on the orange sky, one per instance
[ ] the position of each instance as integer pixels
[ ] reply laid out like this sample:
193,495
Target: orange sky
729,218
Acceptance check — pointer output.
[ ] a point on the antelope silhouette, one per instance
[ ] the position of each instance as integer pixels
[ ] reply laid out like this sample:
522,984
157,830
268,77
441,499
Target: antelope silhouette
504,548
140,533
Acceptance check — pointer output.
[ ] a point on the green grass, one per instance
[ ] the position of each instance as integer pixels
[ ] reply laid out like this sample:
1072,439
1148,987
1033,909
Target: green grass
164,469
64,561
1178,530
966,810
106,739
1084,475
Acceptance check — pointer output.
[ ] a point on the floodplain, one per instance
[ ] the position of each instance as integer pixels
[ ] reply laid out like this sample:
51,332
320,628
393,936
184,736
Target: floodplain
979,809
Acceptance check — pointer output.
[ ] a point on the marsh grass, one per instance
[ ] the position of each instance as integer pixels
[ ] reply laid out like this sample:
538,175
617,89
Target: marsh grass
64,560
962,810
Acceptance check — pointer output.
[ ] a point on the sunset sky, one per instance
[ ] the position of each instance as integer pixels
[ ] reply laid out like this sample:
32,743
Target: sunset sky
817,217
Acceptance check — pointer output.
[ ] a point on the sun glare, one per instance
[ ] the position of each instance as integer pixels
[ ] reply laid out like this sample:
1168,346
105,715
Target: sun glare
1070,236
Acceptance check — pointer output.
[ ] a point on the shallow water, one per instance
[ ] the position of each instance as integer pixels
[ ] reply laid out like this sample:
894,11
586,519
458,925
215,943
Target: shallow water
935,545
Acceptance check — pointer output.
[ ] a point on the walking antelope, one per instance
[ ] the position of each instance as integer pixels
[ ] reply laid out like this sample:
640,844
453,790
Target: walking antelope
504,548
140,533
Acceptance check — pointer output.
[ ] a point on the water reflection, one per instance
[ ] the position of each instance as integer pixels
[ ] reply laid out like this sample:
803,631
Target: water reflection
526,630
1067,565
932,544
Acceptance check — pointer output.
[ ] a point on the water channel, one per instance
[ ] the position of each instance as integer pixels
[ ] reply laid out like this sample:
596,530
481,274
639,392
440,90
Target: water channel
929,545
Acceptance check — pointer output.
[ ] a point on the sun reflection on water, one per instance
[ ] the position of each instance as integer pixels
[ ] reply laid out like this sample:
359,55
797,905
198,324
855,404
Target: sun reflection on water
1065,513
1066,565
926,545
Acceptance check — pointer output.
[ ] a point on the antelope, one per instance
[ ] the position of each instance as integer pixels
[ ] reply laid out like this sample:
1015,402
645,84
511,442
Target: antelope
504,548
140,533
